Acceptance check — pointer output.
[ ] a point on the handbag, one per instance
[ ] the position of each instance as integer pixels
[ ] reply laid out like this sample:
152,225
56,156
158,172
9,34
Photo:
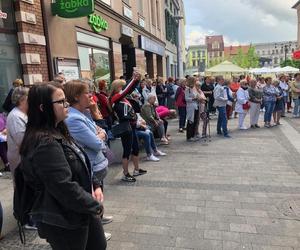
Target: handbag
246,106
121,128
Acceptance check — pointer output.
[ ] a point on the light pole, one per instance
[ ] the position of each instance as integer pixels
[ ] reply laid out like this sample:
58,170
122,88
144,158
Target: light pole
285,47
178,38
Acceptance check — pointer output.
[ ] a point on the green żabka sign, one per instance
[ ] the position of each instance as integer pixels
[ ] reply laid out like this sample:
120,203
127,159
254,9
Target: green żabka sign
72,8
97,23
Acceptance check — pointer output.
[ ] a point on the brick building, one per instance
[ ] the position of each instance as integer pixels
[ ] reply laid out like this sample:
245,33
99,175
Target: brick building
215,49
22,44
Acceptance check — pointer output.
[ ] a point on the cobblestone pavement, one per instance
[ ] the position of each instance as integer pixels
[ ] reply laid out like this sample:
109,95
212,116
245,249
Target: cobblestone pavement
239,193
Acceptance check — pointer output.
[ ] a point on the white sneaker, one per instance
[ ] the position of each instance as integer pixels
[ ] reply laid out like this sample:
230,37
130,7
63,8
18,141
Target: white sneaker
152,158
1,174
107,236
243,128
159,153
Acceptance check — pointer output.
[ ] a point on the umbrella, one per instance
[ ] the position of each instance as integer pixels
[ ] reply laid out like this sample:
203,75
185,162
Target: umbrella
290,69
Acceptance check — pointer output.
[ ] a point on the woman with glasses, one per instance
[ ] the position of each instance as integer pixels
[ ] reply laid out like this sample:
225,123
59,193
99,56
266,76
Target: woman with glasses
68,198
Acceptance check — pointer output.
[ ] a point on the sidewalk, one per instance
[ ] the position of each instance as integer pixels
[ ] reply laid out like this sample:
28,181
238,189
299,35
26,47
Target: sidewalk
239,193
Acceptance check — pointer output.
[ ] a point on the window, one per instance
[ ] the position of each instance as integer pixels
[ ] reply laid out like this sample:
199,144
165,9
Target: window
293,50
203,53
199,53
194,53
153,16
94,63
140,7
157,13
108,2
215,45
273,52
194,63
263,52
276,51
275,60
216,54
281,51
221,54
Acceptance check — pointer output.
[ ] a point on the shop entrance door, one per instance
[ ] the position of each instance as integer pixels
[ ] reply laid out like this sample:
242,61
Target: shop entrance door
128,59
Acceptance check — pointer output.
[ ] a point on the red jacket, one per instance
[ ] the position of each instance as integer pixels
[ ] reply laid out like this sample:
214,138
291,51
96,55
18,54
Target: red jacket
180,97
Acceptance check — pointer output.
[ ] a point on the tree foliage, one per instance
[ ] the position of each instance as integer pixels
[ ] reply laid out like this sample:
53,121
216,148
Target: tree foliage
246,60
290,62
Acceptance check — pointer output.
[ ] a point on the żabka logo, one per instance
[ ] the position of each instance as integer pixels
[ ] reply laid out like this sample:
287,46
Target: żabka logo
71,6
98,23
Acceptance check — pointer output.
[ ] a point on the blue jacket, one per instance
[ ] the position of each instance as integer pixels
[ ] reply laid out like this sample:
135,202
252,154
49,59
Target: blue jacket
83,130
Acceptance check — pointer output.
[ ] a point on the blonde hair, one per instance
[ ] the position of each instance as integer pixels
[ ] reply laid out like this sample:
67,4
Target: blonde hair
17,83
191,81
116,84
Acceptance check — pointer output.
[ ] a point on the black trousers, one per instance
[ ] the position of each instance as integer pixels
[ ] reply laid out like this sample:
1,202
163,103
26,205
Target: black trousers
191,126
86,238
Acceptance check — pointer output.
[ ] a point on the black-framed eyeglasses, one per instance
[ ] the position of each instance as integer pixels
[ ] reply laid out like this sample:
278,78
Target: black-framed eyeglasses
63,102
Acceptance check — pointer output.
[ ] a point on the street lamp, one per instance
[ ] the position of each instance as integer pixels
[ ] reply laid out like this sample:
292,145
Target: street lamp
285,47
179,71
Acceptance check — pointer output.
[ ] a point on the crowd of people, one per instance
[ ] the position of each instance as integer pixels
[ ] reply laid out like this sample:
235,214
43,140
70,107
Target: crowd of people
60,133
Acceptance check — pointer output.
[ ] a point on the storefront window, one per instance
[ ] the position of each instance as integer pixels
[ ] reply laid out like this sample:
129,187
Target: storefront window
10,67
7,17
9,64
94,63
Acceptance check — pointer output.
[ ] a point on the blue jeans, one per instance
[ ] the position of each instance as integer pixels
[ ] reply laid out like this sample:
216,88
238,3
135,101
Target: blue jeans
222,120
296,107
182,116
148,138
269,108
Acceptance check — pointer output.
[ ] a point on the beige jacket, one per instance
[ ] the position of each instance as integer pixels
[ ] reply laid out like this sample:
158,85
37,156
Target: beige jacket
294,87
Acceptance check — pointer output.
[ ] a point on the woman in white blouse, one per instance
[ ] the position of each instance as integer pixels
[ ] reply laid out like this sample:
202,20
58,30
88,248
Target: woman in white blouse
242,104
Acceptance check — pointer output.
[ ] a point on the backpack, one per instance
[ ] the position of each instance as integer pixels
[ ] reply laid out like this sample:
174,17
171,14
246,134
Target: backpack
170,90
23,200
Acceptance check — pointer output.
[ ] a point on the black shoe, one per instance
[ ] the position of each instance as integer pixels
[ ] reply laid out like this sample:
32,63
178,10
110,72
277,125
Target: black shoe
128,178
219,133
106,220
253,126
257,126
139,172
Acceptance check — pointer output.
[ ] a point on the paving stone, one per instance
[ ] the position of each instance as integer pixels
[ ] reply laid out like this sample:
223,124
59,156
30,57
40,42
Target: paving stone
245,228
194,199
250,212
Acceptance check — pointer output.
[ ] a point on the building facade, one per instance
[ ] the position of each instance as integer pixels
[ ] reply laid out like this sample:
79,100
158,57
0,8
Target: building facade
232,51
297,8
274,53
119,36
173,21
215,49
22,44
196,59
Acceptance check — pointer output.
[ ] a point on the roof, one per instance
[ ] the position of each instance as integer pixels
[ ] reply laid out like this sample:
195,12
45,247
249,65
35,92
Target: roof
233,50
211,39
296,5
201,46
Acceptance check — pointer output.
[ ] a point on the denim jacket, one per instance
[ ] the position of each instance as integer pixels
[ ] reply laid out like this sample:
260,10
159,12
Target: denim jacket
83,130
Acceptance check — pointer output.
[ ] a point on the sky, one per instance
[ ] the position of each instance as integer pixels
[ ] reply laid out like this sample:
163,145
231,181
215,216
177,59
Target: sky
240,21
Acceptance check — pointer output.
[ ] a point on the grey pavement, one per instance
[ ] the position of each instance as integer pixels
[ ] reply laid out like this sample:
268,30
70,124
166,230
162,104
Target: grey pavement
239,193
